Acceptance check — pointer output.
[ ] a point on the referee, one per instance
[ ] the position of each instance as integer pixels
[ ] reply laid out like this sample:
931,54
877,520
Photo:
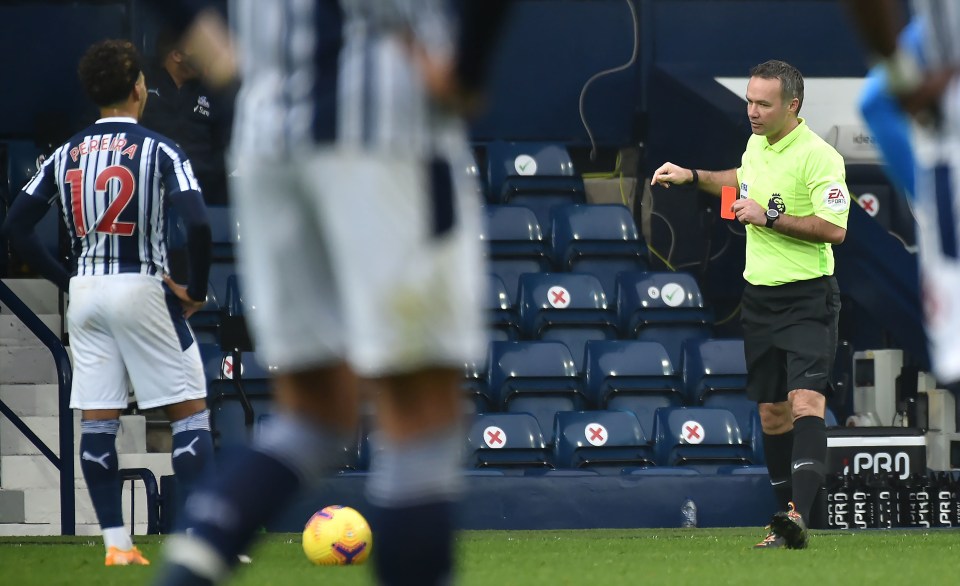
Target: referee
794,204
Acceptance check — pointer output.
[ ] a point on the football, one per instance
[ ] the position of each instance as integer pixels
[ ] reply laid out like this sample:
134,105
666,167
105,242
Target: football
337,536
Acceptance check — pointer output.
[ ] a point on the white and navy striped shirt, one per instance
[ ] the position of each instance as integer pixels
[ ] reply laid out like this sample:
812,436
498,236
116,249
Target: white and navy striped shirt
941,39
339,71
113,180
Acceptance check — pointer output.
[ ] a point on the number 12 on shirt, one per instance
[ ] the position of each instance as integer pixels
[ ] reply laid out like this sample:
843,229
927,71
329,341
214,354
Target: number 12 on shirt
107,223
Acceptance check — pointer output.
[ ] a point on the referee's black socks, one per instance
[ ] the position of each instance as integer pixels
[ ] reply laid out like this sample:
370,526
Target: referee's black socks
778,452
809,455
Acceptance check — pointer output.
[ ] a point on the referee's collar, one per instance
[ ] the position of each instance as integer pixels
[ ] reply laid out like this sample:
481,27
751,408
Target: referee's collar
786,141
117,119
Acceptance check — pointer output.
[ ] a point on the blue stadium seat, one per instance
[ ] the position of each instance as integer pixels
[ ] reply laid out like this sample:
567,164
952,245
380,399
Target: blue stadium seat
755,433
224,233
219,370
515,243
21,167
537,175
501,318
226,406
474,386
599,239
565,307
505,441
715,372
712,366
662,307
632,376
745,470
661,471
536,377
233,332
606,441
206,322
698,436
888,206
227,421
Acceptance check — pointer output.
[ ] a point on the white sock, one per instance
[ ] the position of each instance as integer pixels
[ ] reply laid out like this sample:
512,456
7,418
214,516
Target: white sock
117,537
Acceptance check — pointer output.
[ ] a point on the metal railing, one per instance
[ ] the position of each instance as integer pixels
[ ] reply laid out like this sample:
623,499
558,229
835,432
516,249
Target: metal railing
64,463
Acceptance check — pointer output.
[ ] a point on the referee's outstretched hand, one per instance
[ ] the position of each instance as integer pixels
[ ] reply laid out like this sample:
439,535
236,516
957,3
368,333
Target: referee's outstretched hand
669,174
190,306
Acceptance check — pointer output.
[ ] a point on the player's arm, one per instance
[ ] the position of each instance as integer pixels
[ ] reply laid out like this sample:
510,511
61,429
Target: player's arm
205,36
918,90
710,181
19,228
879,22
184,194
454,69
190,207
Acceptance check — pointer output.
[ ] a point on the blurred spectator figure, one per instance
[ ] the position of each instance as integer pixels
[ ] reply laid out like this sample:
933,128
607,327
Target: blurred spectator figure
181,107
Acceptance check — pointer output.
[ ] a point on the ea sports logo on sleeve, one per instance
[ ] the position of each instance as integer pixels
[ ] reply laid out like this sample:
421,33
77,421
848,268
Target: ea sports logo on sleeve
836,198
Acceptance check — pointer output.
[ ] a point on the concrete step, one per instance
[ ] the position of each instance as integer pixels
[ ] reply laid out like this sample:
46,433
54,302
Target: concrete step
32,400
27,364
11,506
14,333
29,472
41,529
14,443
132,438
40,295
42,505
28,529
93,529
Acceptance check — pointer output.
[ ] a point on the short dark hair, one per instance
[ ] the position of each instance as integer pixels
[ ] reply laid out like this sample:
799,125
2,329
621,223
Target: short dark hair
791,81
109,71
168,39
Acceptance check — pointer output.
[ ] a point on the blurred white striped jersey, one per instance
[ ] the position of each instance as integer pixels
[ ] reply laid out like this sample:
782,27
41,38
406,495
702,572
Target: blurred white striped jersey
113,180
340,71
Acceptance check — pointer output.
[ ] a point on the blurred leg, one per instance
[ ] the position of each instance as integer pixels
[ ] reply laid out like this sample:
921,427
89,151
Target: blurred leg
294,447
416,477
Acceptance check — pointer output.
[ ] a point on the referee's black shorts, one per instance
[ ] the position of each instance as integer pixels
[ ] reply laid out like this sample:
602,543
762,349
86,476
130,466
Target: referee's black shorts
790,337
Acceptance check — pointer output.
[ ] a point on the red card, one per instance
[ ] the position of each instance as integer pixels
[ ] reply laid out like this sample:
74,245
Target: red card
728,195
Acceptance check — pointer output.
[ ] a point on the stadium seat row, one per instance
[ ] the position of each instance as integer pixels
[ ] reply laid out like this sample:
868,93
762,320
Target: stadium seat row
609,441
574,308
598,239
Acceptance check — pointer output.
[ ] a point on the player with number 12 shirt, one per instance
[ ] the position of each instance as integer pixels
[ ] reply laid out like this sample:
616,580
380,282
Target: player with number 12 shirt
115,182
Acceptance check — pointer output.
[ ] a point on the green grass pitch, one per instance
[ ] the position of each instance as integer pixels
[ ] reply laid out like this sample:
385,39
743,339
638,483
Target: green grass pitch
677,557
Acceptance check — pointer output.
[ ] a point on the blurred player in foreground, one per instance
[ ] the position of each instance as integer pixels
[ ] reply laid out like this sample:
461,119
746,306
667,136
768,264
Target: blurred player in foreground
927,86
360,251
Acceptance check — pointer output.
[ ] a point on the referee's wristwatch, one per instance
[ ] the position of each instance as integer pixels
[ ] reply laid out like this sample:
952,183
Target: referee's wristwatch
772,216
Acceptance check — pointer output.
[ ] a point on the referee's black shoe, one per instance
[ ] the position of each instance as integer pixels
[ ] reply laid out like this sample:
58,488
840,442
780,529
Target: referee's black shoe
790,526
771,541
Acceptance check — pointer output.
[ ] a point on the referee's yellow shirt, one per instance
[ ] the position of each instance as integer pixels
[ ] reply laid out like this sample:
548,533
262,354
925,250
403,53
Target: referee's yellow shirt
801,175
